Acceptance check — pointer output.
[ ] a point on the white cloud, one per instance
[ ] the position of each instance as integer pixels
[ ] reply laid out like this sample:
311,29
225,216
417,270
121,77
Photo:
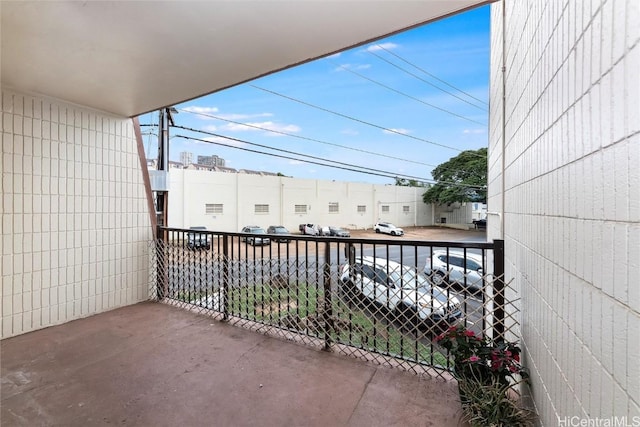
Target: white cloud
349,132
473,131
214,139
232,116
204,141
381,46
225,141
395,131
210,128
334,56
344,67
295,162
265,126
201,110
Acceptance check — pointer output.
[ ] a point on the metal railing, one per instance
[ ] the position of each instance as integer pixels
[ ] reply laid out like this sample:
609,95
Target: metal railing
384,300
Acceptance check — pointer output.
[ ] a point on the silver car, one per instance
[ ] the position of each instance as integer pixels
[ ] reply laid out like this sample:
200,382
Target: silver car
252,240
407,294
452,267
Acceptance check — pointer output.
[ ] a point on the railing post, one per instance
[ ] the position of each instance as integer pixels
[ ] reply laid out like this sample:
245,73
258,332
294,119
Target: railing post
224,300
498,291
327,312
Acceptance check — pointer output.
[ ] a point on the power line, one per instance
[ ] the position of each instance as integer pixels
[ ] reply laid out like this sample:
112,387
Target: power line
406,94
389,130
292,135
290,158
428,73
348,167
426,81
300,154
373,153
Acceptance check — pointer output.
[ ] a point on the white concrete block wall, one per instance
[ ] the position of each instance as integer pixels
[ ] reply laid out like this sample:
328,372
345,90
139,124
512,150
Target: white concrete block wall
75,224
191,190
569,170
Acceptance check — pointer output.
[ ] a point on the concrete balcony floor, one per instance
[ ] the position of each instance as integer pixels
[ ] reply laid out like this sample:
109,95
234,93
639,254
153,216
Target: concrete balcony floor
155,365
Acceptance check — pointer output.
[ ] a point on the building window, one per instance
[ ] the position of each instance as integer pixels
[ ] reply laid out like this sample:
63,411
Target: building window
406,209
362,208
213,208
300,209
261,209
334,207
385,208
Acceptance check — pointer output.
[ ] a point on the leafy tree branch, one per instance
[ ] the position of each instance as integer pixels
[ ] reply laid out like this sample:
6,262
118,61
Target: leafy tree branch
461,179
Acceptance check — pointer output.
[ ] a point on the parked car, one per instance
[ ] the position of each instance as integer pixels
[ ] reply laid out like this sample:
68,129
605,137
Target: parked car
280,231
480,223
310,229
198,240
324,231
339,232
211,302
406,293
252,240
388,228
454,268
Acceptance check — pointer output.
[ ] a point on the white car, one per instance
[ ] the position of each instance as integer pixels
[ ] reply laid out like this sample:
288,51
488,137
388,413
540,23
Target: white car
452,267
309,229
211,302
388,228
402,290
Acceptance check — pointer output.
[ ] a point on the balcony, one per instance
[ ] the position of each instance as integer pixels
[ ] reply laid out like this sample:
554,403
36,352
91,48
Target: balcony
153,364
237,340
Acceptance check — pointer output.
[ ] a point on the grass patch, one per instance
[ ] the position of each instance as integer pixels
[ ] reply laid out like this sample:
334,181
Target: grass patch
302,308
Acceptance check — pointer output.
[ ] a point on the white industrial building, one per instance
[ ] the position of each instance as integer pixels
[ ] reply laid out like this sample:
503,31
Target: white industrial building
228,201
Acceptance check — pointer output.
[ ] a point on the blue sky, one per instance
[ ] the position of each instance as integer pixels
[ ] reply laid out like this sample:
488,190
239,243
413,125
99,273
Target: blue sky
455,50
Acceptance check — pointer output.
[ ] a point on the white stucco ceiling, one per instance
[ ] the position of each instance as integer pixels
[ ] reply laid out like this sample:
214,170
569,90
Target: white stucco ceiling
130,57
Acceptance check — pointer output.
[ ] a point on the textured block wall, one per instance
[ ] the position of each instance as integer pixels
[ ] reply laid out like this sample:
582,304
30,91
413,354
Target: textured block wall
75,224
570,172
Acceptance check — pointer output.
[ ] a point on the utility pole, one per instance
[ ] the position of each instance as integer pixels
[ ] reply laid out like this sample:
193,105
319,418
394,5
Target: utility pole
162,197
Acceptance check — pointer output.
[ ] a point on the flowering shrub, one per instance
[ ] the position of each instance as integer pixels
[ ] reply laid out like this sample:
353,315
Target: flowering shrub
486,374
477,355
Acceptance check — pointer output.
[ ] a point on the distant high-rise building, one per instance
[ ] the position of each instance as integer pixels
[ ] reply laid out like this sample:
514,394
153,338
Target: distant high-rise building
211,161
186,158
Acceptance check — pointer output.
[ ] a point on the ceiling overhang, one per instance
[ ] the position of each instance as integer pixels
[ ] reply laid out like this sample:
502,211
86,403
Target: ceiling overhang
131,57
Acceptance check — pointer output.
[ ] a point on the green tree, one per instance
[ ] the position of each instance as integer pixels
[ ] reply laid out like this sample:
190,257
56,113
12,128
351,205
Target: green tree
461,179
402,182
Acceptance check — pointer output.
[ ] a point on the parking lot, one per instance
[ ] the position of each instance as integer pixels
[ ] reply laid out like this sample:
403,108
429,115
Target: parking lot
427,233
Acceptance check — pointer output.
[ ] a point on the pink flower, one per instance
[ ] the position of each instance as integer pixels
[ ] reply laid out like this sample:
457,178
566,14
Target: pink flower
469,333
474,359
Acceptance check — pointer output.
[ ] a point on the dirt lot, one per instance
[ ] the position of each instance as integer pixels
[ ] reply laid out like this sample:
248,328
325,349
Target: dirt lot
243,250
425,233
